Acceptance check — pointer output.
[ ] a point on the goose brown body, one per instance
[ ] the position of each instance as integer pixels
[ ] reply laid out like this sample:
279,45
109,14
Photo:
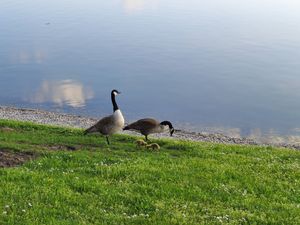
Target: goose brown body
149,126
108,125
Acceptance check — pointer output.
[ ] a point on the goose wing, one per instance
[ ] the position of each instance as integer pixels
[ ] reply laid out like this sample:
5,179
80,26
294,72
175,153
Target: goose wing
104,126
143,125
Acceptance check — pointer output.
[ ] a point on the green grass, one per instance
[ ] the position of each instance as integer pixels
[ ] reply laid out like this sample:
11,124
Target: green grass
183,183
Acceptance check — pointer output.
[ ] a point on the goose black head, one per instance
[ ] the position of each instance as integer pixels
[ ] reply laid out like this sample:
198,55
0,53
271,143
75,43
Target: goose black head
115,92
168,123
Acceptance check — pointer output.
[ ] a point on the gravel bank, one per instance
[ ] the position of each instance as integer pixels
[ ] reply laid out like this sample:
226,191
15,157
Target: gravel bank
53,118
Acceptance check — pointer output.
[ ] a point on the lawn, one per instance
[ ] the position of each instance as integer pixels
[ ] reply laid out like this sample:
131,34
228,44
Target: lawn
55,175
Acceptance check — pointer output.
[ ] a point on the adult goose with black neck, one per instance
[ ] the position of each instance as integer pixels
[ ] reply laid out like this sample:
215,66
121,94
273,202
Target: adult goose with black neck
110,124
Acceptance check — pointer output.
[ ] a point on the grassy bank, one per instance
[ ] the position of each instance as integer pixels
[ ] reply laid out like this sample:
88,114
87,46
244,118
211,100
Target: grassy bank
76,179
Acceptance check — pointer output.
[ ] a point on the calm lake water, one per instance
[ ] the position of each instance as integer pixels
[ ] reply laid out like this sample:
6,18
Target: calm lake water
218,66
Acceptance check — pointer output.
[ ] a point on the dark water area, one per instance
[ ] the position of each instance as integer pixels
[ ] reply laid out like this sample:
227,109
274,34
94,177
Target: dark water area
217,66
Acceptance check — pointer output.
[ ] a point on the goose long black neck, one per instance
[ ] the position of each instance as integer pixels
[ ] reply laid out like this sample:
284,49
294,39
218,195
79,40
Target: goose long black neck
113,100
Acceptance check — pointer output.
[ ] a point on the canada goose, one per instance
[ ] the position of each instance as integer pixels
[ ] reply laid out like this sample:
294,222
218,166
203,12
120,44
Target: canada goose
110,124
149,126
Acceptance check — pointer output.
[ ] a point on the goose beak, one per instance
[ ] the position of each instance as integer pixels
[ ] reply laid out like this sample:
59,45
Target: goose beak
172,131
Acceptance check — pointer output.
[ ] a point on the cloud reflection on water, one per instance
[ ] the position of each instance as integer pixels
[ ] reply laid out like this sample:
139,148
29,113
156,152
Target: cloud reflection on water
25,56
131,6
64,92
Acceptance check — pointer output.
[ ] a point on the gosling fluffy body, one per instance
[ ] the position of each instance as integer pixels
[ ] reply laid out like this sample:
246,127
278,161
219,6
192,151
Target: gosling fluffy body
153,146
140,143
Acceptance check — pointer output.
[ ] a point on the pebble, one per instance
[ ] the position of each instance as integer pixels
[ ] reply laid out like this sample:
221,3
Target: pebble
67,120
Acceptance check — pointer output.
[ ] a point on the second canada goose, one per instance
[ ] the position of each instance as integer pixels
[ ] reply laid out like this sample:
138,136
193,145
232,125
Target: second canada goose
110,124
150,126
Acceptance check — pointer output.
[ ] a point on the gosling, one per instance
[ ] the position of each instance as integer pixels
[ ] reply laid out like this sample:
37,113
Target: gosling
154,146
140,143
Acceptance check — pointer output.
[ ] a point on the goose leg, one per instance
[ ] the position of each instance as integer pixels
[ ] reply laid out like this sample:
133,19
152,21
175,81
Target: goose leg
146,137
107,140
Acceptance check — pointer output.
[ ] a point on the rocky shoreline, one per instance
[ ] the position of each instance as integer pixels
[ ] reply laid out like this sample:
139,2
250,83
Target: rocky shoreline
61,119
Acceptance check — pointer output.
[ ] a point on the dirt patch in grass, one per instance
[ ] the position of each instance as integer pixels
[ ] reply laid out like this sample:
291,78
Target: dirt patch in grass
7,129
9,158
62,147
